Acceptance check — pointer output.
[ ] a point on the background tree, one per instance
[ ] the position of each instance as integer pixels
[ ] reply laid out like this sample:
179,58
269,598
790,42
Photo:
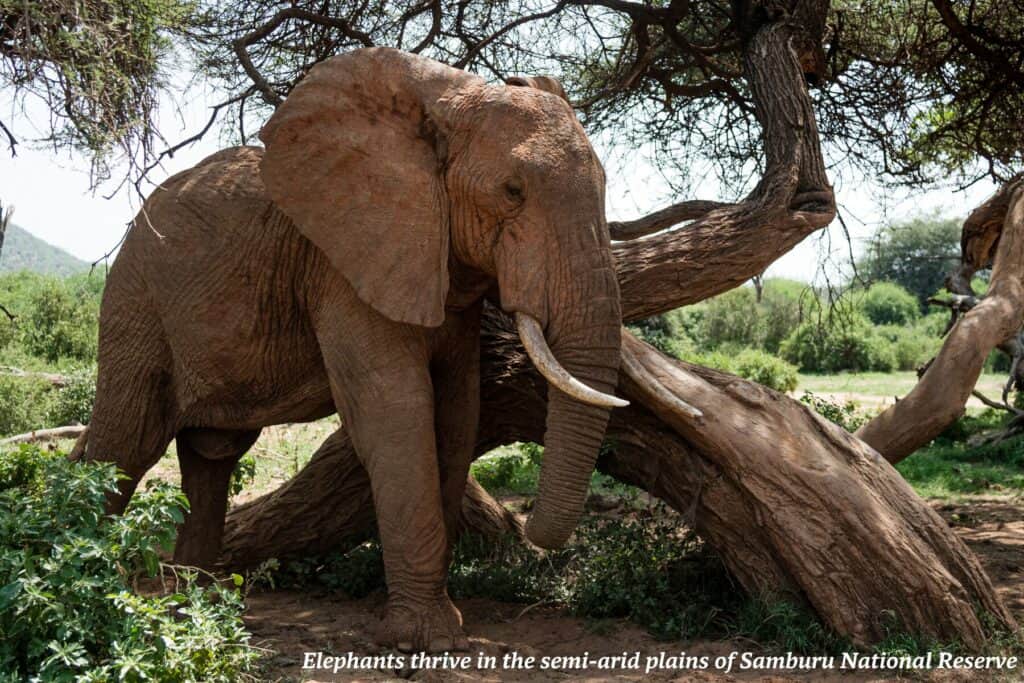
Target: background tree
917,255
96,65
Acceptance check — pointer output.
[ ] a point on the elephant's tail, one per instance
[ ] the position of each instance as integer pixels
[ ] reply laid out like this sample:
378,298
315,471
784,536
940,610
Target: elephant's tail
78,451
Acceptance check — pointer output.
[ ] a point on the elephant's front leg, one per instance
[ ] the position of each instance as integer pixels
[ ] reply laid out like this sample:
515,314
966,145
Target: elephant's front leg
456,374
389,409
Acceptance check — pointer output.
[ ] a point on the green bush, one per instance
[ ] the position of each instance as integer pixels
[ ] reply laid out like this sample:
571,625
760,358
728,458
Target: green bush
784,305
753,364
24,404
509,469
67,611
73,402
846,342
663,333
62,319
847,415
911,345
766,369
886,303
731,318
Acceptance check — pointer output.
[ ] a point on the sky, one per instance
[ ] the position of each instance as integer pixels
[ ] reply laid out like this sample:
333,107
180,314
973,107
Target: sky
53,200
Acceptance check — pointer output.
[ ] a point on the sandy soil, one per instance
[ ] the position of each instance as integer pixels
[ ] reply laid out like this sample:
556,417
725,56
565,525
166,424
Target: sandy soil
293,623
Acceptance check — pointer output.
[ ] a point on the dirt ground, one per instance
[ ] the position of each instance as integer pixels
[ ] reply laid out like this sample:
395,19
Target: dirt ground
292,624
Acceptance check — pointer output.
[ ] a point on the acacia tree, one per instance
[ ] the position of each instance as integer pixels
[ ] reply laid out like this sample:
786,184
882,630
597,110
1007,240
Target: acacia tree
793,504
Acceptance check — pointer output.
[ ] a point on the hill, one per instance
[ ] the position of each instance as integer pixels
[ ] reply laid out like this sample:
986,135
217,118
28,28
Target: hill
24,251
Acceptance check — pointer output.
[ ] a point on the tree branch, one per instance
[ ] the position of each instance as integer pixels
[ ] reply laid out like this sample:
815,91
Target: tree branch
938,399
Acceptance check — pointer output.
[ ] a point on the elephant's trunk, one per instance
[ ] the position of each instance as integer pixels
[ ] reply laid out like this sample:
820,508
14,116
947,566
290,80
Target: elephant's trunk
586,342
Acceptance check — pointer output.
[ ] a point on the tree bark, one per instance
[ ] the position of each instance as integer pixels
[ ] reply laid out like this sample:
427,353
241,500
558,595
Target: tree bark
940,397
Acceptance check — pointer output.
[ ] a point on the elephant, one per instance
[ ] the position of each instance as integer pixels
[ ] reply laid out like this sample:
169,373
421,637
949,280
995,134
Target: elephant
342,268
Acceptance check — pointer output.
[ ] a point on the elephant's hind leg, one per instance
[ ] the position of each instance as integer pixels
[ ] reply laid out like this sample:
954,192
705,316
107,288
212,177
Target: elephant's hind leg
207,458
132,419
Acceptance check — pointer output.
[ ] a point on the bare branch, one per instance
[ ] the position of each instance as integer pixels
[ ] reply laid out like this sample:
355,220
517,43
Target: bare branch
662,219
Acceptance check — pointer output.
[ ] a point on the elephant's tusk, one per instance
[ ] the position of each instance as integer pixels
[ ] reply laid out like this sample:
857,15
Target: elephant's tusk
644,379
537,348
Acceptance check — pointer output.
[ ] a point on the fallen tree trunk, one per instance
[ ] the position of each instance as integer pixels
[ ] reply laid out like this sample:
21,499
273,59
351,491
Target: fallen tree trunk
41,435
282,523
55,380
940,397
793,504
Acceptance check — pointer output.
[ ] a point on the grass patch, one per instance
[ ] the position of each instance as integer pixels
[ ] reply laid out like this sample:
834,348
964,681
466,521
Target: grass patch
951,467
954,470
884,385
515,470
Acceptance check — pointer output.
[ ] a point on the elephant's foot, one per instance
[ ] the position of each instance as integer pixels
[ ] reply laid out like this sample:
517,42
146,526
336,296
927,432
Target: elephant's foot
430,626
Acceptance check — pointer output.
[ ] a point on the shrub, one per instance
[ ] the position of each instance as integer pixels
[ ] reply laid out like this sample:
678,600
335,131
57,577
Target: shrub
62,319
753,364
847,415
886,303
766,369
73,402
733,318
510,469
67,611
912,346
840,343
24,404
784,305
663,333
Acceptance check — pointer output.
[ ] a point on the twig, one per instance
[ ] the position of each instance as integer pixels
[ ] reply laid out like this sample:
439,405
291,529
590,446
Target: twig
995,404
12,142
10,316
270,96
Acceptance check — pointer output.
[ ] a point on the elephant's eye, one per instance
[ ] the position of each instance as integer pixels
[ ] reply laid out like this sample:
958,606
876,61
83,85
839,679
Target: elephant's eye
514,190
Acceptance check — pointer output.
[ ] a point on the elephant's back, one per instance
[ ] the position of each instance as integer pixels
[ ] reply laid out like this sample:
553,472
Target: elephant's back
229,277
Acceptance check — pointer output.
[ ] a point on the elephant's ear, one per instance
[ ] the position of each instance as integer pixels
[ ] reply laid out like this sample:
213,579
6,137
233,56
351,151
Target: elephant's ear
352,159
546,83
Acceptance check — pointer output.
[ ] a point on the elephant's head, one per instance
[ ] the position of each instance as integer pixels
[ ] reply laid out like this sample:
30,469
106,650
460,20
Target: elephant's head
393,164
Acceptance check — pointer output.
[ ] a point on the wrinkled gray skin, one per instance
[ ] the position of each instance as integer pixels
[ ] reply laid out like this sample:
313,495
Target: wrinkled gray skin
344,269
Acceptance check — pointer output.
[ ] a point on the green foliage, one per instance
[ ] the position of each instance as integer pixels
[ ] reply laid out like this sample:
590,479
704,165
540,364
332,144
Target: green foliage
766,369
356,573
916,255
73,402
510,469
911,346
784,305
737,319
951,466
886,303
847,415
243,475
753,364
97,67
664,333
732,318
67,611
24,404
63,319
842,342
